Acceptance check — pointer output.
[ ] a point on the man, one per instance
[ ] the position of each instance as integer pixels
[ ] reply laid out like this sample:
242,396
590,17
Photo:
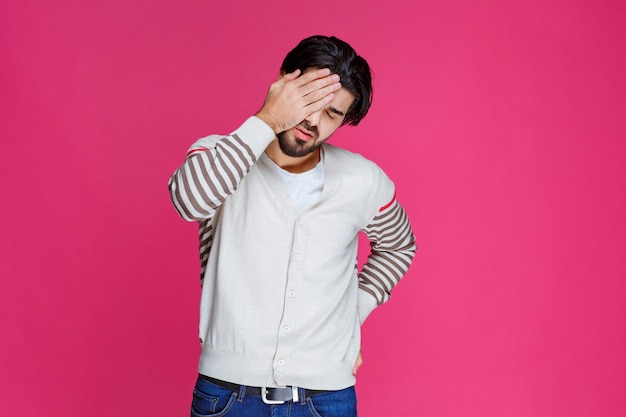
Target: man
279,211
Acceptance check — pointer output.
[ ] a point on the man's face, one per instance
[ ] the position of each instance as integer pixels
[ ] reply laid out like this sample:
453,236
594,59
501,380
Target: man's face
313,131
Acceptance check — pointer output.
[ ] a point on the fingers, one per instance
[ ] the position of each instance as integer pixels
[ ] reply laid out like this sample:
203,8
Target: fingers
315,87
312,76
318,82
311,81
289,77
315,106
319,99
294,96
357,364
323,91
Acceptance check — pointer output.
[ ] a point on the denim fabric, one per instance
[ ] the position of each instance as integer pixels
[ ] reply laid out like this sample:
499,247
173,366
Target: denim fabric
210,400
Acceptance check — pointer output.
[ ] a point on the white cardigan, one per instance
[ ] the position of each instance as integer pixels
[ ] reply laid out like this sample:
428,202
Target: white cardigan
282,300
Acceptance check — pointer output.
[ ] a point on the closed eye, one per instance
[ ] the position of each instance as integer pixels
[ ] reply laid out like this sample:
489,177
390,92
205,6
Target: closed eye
333,111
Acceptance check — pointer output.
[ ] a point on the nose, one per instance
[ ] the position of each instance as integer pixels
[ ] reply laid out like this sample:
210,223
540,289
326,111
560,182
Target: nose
314,118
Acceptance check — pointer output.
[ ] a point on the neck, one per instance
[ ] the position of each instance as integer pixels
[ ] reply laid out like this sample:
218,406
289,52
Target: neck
292,164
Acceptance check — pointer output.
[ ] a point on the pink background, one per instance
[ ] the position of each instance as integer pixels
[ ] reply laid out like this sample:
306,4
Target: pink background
503,124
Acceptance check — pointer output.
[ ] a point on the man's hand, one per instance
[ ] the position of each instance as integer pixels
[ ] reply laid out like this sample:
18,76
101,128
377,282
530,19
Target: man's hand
292,98
357,364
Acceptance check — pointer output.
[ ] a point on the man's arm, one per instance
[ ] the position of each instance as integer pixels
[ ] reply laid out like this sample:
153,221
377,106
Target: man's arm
392,250
213,169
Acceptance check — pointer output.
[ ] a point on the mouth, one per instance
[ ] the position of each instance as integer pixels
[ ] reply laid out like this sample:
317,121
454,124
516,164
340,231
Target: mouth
303,134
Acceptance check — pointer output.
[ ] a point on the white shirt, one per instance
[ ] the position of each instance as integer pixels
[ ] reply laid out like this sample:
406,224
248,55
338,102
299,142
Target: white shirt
305,188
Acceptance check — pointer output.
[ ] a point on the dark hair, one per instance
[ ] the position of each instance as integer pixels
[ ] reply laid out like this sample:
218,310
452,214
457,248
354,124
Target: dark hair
341,59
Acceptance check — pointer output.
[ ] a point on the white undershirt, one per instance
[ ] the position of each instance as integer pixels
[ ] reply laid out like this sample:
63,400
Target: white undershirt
305,188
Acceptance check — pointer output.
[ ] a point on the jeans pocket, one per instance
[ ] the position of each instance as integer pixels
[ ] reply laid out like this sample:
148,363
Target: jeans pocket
210,400
333,404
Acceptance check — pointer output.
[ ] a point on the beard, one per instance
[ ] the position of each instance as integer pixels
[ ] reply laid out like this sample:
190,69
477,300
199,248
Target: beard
294,147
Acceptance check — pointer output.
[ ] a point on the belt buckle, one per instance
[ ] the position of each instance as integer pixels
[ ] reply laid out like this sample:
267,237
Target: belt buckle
265,400
294,396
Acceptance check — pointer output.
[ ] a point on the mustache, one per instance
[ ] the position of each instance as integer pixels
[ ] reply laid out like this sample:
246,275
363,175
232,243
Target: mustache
307,126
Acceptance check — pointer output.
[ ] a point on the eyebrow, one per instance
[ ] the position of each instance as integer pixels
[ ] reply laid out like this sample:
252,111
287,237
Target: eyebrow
334,110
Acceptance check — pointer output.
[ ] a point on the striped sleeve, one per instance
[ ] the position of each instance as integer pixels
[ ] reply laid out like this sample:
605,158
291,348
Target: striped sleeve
392,250
214,168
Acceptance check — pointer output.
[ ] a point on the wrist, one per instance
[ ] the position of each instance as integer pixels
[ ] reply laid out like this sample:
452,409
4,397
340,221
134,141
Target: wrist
268,120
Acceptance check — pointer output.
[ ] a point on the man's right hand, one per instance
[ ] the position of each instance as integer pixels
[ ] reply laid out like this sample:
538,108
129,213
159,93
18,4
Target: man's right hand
292,98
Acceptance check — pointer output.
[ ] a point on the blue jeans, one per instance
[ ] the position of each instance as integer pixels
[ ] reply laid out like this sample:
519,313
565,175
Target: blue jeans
210,400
